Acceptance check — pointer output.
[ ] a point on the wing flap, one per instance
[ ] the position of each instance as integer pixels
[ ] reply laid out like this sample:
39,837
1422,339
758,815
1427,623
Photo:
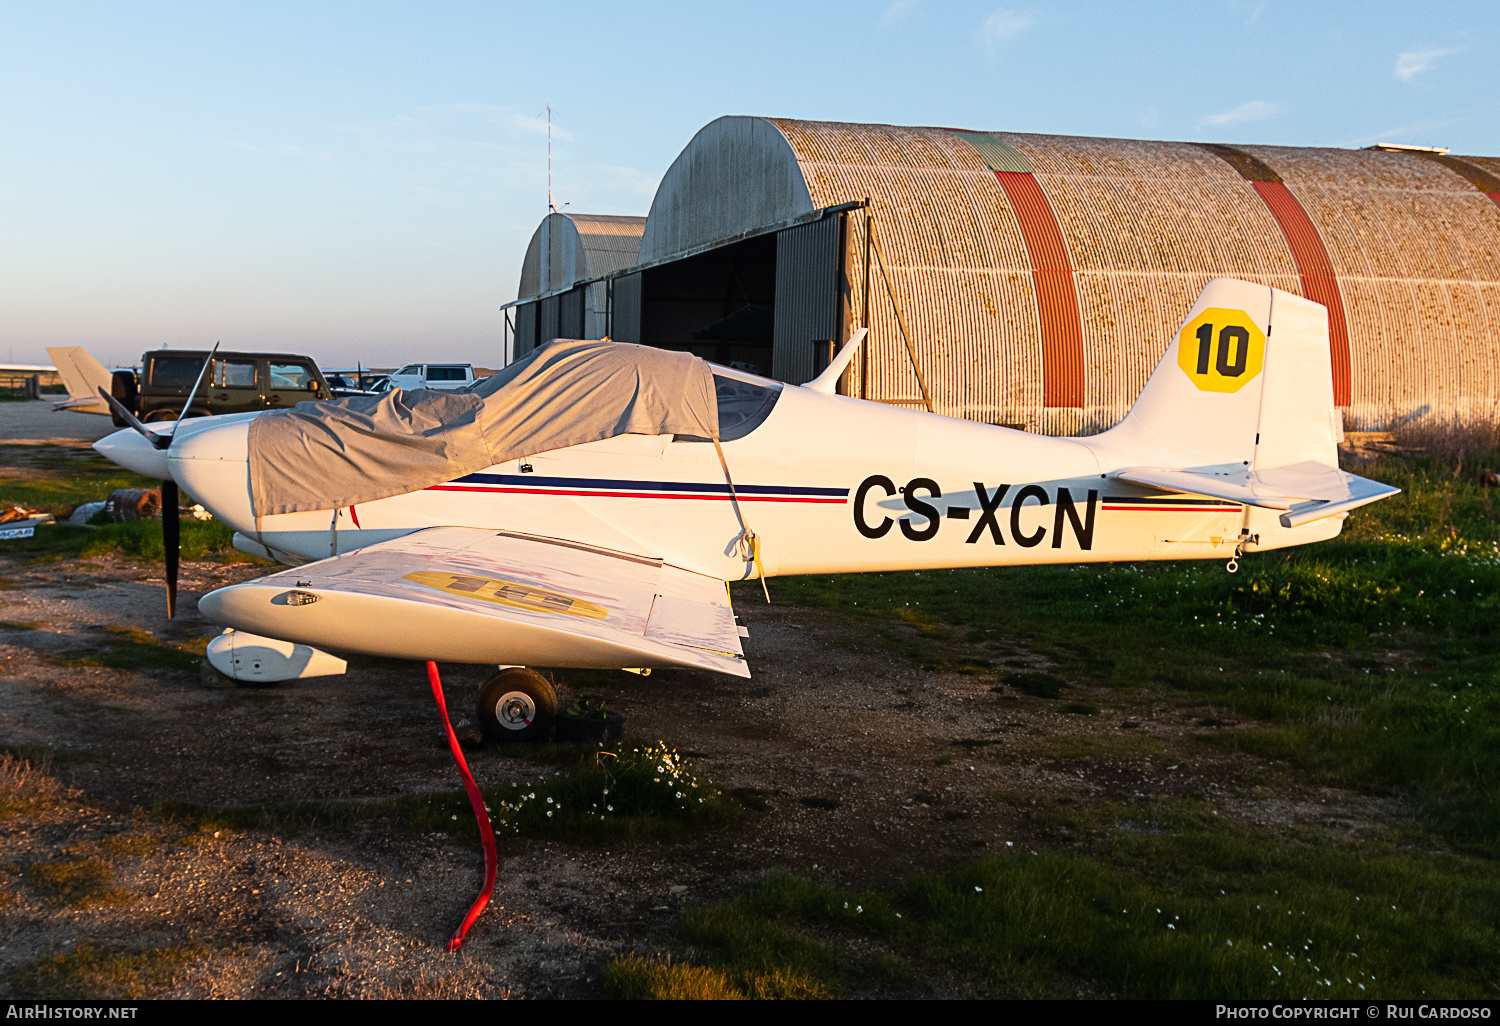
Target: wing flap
468,595
1302,492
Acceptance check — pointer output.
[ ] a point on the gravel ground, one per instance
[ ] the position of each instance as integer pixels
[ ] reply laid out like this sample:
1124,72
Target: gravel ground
37,420
871,769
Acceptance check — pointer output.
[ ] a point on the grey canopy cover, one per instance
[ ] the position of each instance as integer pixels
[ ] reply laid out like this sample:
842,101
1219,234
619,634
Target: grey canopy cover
330,455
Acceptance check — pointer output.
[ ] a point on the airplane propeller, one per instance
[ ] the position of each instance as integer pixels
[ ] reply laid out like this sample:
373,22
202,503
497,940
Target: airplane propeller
171,526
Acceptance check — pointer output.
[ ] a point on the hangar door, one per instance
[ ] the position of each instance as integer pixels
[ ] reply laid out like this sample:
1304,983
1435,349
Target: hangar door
770,304
717,305
560,316
808,308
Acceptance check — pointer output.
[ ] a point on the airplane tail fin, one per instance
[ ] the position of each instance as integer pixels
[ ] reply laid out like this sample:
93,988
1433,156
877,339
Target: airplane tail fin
1241,408
84,376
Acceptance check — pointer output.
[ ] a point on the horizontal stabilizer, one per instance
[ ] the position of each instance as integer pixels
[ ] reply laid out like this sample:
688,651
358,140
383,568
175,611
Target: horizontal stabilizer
1304,491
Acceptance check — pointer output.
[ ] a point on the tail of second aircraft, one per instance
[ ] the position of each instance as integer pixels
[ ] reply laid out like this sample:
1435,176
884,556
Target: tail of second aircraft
84,376
1241,408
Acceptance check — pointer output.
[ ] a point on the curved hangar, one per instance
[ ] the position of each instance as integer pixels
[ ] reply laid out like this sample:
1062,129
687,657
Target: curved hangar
1038,277
565,249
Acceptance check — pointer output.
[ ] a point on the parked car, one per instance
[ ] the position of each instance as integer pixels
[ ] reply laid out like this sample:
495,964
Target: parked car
344,384
443,376
235,383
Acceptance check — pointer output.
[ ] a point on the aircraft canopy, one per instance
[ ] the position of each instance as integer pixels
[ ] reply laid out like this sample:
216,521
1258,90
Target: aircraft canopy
330,455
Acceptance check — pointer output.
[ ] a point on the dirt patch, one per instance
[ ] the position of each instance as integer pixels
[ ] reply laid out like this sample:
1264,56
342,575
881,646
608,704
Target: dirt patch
853,764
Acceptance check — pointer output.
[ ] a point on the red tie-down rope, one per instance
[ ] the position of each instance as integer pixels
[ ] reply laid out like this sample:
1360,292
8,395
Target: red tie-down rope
486,832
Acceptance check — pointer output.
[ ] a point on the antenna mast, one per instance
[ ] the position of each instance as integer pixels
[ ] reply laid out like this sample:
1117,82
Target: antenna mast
551,203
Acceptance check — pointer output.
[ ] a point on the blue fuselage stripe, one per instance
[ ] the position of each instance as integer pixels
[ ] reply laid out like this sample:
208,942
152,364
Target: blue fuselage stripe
537,481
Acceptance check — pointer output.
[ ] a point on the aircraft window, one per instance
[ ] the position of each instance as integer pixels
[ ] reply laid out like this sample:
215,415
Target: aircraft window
296,376
743,406
176,370
234,374
446,374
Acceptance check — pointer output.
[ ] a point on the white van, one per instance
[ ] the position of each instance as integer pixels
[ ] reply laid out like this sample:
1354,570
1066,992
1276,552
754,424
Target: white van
434,375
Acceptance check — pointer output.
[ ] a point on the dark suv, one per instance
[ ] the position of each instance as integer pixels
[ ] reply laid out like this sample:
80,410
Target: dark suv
236,383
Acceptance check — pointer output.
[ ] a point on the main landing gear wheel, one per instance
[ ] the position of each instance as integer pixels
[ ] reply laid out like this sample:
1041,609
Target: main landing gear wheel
516,705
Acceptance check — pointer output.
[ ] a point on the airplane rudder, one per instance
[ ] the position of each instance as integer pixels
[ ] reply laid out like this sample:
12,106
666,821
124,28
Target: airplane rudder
1298,421
1205,393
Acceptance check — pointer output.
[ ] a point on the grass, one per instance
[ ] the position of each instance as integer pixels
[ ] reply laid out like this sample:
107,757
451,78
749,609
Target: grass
610,793
636,978
1368,662
618,792
128,648
1038,685
1160,900
79,882
27,784
1371,661
94,970
78,476
139,538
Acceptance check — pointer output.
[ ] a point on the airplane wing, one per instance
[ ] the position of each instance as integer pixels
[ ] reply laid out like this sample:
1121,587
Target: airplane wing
481,596
1305,491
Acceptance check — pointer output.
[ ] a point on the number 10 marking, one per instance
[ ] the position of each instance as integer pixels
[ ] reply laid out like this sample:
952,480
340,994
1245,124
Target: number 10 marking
1231,336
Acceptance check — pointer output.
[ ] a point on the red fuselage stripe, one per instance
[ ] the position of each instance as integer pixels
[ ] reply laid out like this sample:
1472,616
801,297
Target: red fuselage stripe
723,497
1173,509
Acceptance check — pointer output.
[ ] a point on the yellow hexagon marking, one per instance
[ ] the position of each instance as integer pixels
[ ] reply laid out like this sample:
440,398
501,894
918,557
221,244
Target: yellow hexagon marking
1221,350
507,593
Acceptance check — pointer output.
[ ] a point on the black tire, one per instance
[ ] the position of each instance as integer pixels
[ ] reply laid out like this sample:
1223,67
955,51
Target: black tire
517,705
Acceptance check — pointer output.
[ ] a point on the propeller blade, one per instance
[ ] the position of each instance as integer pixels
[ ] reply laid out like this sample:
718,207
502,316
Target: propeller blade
209,359
160,441
171,540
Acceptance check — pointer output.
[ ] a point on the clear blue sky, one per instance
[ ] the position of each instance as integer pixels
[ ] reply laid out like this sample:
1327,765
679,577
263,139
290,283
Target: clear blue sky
359,180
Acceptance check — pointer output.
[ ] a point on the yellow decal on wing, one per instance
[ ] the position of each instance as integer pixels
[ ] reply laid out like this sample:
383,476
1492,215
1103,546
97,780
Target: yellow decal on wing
1221,350
507,593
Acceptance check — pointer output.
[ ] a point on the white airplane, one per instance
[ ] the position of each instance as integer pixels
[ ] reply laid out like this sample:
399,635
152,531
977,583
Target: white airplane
586,506
614,552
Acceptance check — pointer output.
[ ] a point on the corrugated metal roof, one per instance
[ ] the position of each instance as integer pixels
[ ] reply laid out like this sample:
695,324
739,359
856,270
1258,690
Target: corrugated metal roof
1316,273
1476,174
737,174
957,259
577,247
1155,221
1407,246
1369,170
997,153
1057,301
